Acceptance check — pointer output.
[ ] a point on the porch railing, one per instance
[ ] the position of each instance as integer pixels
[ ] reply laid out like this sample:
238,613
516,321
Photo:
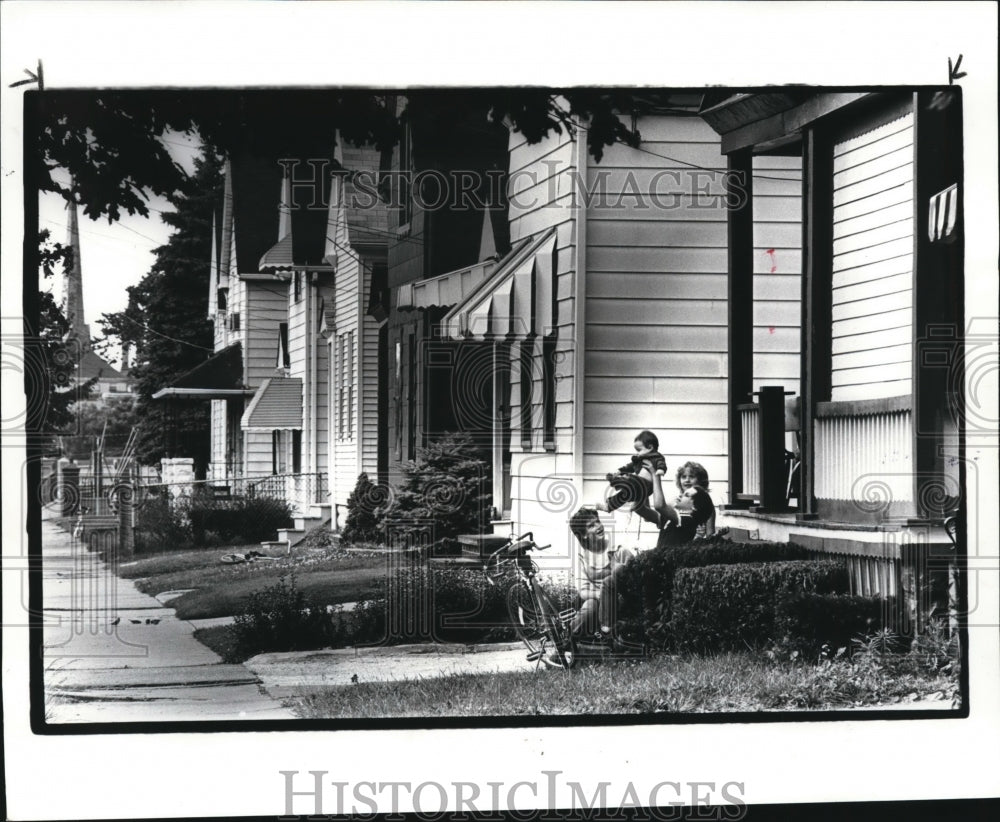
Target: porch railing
301,491
767,465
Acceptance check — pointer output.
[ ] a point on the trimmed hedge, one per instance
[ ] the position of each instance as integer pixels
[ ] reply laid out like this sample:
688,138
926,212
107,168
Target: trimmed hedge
646,589
729,607
806,622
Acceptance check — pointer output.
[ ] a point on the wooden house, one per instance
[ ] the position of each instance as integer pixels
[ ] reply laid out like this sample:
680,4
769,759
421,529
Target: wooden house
879,362
757,303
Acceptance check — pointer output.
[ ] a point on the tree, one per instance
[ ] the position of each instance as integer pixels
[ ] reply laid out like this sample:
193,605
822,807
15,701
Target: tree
50,356
165,322
112,142
444,493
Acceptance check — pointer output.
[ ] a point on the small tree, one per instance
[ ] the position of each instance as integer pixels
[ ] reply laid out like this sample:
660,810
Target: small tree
444,493
363,523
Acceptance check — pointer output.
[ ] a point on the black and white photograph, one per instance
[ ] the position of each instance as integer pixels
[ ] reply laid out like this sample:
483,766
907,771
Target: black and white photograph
659,410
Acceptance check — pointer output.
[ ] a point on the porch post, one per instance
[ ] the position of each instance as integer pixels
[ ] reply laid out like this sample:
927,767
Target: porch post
817,247
739,340
938,311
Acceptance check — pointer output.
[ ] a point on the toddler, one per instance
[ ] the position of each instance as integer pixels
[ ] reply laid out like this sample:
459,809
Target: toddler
633,483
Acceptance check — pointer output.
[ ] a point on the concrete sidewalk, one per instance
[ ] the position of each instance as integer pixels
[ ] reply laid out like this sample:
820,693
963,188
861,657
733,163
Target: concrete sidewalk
285,674
113,654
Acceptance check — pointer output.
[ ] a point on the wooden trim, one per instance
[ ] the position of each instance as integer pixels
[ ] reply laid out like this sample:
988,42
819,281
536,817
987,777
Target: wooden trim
787,122
579,308
739,302
863,408
938,298
851,547
816,343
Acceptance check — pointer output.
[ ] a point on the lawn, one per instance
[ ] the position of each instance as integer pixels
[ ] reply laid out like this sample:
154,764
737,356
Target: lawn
327,576
725,683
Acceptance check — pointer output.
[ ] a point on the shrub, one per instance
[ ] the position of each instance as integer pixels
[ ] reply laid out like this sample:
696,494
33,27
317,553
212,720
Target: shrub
238,521
162,526
444,494
363,523
819,625
646,590
728,607
421,603
282,618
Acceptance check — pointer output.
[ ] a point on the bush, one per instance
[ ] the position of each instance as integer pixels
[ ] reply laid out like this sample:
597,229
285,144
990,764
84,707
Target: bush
282,618
420,603
162,526
646,590
730,607
238,521
363,523
818,625
444,494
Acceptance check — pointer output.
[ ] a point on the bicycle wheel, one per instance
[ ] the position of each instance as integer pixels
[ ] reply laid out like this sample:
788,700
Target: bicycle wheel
542,632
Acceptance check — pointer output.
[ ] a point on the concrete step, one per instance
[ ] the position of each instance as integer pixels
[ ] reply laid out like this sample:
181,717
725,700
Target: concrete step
293,536
279,544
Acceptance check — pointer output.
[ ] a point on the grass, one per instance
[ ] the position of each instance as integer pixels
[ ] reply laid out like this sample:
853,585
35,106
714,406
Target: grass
328,576
724,683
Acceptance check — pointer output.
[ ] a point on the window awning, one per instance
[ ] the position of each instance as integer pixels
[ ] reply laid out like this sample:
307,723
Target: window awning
517,300
446,289
219,377
276,405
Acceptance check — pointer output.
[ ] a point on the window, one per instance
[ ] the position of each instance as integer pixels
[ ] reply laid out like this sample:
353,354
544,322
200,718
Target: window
526,354
350,384
411,397
296,451
405,176
234,321
549,390
341,365
279,452
284,360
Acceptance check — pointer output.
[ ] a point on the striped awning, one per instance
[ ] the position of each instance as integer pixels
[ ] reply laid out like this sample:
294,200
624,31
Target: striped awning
517,300
276,405
445,290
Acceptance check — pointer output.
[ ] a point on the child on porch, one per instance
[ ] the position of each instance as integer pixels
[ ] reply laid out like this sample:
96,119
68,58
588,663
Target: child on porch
633,483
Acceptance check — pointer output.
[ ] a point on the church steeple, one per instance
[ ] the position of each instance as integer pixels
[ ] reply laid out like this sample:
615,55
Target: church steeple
72,303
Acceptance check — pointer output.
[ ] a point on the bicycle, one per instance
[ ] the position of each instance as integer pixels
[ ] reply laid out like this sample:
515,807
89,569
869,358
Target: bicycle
543,628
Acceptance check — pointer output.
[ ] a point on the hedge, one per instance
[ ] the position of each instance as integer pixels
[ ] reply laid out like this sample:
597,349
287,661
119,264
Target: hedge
730,607
646,589
806,622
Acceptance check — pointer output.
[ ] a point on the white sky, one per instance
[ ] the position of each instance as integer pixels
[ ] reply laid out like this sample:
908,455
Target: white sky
113,255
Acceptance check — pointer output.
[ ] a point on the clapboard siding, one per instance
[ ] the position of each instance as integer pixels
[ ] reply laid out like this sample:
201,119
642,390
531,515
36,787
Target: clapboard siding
872,305
258,450
656,301
543,194
266,307
218,429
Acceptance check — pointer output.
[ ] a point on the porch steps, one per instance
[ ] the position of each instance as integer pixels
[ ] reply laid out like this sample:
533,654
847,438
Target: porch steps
288,538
